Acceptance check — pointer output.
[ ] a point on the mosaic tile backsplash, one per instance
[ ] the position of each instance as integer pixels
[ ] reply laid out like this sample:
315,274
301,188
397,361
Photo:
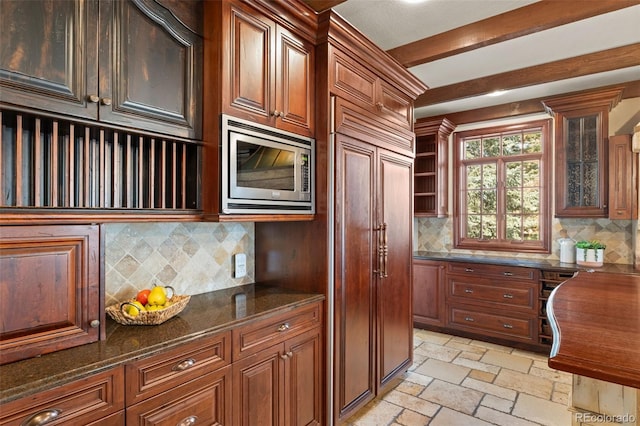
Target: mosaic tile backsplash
192,258
434,234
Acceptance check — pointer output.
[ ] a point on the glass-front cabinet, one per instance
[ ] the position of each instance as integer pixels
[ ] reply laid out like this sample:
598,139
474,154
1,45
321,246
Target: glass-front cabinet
581,134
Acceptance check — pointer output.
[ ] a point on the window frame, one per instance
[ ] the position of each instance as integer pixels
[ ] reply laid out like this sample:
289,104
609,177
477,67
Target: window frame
521,246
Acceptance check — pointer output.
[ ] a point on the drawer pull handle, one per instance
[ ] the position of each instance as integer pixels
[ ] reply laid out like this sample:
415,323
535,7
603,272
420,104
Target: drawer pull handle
468,290
468,269
508,296
507,326
470,319
42,418
284,327
191,420
507,274
184,365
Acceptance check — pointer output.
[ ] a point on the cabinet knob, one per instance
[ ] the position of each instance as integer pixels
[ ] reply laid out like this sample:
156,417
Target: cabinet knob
42,418
379,105
105,101
94,99
507,274
507,326
468,269
507,296
191,420
468,290
95,323
470,319
276,114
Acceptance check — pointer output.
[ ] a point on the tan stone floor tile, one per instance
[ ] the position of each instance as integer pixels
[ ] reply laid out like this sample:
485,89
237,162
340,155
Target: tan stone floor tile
482,375
490,388
456,397
432,336
417,378
378,413
410,388
547,373
499,418
443,370
497,403
461,339
561,387
477,365
440,352
560,398
474,356
541,411
491,346
533,355
449,417
507,360
414,403
417,360
411,418
465,347
532,385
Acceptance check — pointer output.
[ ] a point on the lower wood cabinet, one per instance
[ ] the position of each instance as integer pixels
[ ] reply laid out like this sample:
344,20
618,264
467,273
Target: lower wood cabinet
492,302
428,293
94,400
280,384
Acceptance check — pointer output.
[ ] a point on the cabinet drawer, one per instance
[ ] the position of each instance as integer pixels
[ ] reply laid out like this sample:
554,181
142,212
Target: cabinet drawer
167,370
493,271
203,401
81,402
484,291
260,334
494,324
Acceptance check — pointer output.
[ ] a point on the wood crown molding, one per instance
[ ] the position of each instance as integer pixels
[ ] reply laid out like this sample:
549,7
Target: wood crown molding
603,98
333,29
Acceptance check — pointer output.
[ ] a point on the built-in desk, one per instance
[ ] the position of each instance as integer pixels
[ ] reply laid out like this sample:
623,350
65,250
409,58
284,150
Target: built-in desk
595,318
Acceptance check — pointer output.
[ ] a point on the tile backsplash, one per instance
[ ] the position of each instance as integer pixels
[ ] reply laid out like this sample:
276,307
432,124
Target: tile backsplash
432,234
192,258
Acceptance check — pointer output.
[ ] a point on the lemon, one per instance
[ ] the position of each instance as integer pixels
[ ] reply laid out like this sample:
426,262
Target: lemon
157,296
135,308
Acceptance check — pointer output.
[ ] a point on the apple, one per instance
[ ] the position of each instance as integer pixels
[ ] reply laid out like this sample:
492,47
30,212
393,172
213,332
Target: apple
143,296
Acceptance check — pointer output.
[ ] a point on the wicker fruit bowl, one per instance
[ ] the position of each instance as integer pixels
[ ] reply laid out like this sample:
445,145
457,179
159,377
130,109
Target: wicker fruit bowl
175,304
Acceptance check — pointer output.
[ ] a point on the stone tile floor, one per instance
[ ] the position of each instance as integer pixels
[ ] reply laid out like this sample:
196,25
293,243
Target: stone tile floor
463,382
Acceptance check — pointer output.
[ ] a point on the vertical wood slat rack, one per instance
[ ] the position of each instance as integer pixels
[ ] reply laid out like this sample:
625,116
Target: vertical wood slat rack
51,162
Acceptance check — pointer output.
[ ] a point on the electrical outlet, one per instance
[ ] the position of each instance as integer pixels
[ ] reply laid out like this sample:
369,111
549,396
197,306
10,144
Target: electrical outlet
240,265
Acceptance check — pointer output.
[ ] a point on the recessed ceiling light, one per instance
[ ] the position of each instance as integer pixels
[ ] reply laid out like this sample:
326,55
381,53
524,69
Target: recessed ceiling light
497,93
415,1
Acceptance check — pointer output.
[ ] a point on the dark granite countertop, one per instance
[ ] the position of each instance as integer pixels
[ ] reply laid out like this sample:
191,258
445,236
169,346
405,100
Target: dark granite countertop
206,313
524,262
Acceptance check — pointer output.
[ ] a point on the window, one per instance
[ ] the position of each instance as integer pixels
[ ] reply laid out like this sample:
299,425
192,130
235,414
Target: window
502,188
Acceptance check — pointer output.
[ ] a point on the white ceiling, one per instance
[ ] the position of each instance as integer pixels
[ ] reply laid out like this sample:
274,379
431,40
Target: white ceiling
393,23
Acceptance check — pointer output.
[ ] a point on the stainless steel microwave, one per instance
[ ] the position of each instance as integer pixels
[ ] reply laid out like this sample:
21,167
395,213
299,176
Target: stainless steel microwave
265,170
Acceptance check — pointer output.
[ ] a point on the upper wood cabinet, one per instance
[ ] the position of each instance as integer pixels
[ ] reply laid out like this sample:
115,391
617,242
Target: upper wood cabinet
59,267
431,168
269,77
127,63
623,179
581,130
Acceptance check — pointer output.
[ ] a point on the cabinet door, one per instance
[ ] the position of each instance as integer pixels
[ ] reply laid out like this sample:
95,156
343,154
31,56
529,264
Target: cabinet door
56,264
354,293
206,400
303,382
250,86
258,386
623,179
294,83
428,293
394,313
48,55
150,69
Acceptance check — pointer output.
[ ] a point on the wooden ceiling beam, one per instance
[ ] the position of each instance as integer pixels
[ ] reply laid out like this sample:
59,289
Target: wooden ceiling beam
529,106
529,19
592,63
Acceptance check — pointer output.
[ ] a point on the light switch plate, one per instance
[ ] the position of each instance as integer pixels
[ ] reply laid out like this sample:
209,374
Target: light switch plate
240,265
